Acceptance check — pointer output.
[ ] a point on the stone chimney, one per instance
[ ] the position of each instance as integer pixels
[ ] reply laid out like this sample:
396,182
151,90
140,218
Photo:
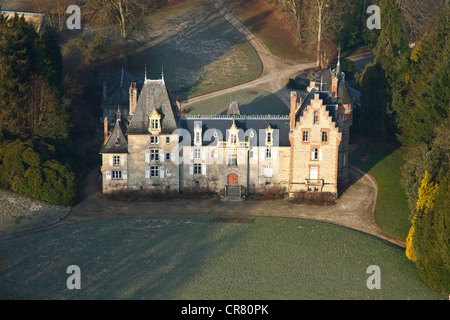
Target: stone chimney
133,98
293,108
105,130
334,85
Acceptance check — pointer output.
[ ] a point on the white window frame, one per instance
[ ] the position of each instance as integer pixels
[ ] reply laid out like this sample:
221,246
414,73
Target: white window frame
197,169
197,153
268,153
116,161
315,154
154,172
305,134
154,140
116,175
268,171
154,155
154,124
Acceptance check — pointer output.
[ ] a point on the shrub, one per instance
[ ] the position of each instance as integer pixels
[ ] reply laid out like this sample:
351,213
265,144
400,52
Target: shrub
320,198
269,193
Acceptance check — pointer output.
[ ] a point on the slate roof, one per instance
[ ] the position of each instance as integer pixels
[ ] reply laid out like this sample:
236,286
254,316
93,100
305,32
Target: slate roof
117,89
222,124
116,143
154,94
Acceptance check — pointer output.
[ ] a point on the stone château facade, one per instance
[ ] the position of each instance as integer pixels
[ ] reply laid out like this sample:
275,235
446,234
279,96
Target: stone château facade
151,146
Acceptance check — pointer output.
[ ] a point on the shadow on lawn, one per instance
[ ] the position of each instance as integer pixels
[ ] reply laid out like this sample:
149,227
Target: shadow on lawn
197,38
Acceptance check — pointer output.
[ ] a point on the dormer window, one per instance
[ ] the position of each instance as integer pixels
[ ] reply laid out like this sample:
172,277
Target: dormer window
269,137
154,121
197,137
233,138
155,124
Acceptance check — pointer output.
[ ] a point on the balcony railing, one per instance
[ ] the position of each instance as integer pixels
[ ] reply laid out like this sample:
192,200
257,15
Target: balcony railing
314,182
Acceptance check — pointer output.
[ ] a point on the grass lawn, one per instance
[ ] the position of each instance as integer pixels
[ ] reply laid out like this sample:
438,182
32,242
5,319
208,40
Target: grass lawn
190,257
251,102
391,212
200,50
270,25
20,213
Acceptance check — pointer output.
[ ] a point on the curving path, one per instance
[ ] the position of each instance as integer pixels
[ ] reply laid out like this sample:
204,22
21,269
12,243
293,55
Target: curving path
354,209
275,73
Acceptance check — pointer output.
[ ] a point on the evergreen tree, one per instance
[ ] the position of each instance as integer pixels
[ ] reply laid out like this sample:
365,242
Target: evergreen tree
392,53
374,100
431,240
429,75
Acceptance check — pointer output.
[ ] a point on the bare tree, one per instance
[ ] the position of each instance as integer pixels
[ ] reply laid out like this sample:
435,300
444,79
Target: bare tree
297,8
321,20
123,16
55,11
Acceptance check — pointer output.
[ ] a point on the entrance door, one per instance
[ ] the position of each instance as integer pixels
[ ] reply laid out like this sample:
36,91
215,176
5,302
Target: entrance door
233,178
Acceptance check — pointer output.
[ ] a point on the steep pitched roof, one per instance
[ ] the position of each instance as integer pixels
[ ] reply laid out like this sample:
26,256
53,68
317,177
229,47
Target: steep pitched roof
154,94
116,143
117,89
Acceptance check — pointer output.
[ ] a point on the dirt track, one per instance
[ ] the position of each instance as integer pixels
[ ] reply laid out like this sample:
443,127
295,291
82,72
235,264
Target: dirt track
275,71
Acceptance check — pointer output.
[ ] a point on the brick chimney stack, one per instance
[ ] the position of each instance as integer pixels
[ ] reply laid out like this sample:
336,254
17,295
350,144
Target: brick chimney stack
334,86
133,98
105,129
293,108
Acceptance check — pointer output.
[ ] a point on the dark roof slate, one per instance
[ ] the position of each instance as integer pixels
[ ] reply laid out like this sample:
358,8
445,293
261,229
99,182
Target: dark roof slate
280,126
117,89
116,143
154,94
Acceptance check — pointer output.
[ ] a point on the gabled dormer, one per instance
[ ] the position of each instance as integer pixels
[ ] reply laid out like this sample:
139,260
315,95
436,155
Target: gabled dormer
154,122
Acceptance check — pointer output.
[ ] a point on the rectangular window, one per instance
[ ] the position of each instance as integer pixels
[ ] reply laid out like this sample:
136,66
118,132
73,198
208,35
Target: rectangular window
314,173
167,156
154,155
154,139
167,140
232,159
269,137
268,171
196,153
116,160
197,137
324,136
316,117
268,153
155,124
315,154
305,136
117,175
233,139
154,171
197,168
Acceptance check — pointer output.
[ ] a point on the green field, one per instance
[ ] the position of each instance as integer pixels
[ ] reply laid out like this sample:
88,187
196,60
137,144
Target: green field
199,50
251,102
392,213
190,257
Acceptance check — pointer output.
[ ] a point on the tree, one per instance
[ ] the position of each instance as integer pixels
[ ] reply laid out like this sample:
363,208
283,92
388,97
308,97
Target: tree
374,99
392,54
431,236
124,16
321,18
426,200
429,94
16,51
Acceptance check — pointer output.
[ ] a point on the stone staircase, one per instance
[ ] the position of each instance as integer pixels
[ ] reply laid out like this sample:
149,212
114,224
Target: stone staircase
233,193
